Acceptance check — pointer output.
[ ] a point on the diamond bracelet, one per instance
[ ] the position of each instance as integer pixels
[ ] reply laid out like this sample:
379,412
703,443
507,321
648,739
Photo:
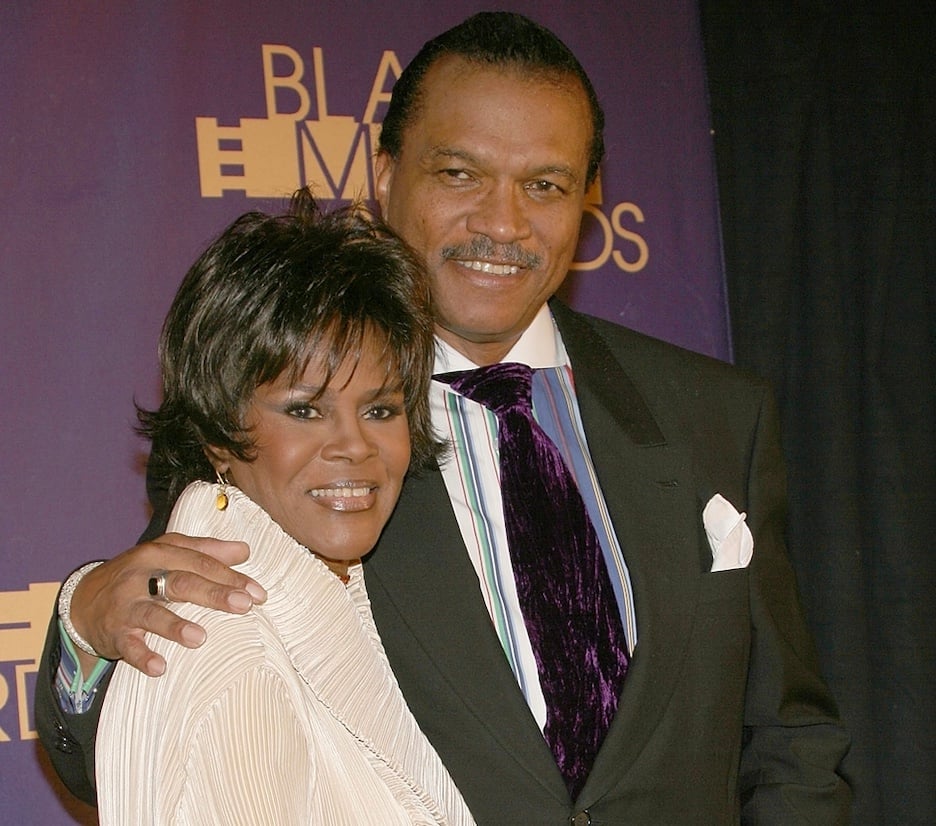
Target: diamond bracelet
64,607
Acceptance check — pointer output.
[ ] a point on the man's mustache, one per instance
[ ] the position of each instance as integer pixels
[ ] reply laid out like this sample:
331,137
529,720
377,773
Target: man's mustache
482,247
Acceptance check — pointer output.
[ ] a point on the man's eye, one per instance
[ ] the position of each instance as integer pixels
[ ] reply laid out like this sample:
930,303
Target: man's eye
454,174
545,187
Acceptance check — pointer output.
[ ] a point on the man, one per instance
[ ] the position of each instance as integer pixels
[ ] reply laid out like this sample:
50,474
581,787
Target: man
489,144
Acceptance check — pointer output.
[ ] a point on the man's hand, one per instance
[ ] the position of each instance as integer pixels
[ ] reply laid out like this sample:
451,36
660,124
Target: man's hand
112,608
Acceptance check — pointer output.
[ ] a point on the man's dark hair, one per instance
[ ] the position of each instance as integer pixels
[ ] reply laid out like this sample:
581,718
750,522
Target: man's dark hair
270,294
500,39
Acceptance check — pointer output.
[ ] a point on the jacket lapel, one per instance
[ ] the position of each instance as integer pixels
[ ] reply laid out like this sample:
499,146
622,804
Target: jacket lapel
647,484
428,607
427,601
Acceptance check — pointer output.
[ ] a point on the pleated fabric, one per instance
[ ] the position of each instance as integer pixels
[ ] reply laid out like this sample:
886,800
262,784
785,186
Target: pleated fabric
289,714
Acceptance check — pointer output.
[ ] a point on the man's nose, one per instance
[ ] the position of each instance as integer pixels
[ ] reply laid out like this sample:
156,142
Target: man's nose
501,214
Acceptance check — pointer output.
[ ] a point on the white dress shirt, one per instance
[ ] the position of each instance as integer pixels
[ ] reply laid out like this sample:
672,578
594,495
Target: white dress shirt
472,479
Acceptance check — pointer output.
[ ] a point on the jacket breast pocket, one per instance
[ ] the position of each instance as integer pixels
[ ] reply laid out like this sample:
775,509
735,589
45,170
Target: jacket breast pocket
725,590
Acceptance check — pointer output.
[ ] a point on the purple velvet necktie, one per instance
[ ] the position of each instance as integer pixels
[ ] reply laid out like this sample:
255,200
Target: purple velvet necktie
568,604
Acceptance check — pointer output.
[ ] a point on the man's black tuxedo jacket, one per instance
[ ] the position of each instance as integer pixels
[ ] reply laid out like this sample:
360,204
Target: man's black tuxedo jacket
724,715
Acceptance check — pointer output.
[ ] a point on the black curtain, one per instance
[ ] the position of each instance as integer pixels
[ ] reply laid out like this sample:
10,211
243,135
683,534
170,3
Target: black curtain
825,136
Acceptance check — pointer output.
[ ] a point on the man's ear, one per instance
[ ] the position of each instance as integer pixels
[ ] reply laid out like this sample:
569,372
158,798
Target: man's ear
383,169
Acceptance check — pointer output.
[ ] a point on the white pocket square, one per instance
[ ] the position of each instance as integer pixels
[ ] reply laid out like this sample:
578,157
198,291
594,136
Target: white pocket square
728,534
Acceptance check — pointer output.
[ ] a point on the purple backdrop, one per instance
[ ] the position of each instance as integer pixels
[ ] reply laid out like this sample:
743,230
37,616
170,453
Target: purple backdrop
111,191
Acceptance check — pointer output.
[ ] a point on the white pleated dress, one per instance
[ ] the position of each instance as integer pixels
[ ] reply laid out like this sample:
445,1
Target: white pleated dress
288,714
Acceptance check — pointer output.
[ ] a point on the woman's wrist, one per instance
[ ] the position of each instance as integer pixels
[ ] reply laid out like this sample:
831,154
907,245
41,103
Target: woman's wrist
64,607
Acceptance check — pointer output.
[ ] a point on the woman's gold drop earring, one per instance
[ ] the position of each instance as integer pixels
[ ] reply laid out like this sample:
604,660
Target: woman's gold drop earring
221,500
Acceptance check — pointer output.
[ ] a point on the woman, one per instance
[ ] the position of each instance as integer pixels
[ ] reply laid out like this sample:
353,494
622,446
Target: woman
295,363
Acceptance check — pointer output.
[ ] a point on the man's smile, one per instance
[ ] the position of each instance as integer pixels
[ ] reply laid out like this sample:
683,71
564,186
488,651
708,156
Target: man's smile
489,268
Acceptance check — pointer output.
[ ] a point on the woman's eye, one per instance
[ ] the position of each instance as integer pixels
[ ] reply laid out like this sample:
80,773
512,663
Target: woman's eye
304,411
382,411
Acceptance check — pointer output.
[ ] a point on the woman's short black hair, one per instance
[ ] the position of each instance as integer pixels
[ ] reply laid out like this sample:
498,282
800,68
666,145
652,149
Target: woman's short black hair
499,39
271,293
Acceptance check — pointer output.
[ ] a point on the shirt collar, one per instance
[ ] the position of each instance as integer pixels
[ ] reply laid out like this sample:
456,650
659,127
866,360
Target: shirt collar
539,346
